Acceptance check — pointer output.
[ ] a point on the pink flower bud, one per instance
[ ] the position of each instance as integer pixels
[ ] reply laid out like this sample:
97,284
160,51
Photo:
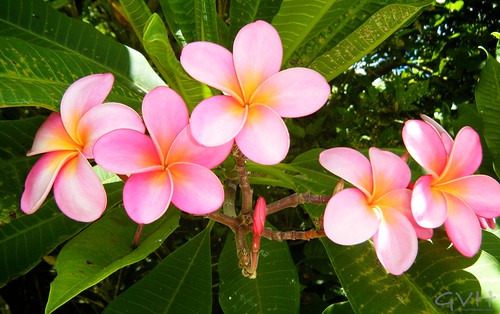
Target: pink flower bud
259,216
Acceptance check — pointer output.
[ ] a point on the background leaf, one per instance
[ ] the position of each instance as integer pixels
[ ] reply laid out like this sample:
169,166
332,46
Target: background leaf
181,283
102,249
276,288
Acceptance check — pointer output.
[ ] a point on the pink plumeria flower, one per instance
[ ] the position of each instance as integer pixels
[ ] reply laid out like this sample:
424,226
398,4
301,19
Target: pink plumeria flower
167,166
66,139
450,193
378,207
256,94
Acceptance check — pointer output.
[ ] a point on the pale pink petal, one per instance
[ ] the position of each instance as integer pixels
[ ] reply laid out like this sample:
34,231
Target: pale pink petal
465,157
350,165
428,204
165,115
264,139
146,196
197,190
390,172
186,149
462,227
213,65
445,136
480,192
81,96
104,119
52,136
217,120
395,242
41,178
349,219
292,93
401,200
425,146
78,191
126,151
257,53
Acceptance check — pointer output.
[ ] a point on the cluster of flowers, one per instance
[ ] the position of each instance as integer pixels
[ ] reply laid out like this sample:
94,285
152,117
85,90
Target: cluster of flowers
383,205
172,162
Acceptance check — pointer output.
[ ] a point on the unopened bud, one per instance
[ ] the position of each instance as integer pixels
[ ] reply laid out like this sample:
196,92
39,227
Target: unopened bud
259,216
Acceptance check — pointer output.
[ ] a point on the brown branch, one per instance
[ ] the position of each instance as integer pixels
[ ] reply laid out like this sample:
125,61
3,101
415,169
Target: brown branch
292,235
246,190
295,200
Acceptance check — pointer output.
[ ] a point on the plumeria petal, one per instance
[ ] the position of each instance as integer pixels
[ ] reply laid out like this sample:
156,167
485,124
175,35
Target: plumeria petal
264,138
395,242
425,146
81,96
465,157
350,165
480,192
126,151
349,219
103,119
428,205
146,196
257,54
41,178
213,65
292,93
52,136
217,120
390,172
462,227
186,149
197,190
445,136
165,115
78,191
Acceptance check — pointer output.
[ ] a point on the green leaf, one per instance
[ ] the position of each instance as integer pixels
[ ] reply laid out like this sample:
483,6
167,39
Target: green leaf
181,283
329,35
68,50
439,276
138,15
158,47
276,287
102,249
339,308
488,105
243,12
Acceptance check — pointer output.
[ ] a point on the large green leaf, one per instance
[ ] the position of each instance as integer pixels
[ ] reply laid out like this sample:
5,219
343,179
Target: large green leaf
488,105
276,288
51,51
102,249
181,283
331,35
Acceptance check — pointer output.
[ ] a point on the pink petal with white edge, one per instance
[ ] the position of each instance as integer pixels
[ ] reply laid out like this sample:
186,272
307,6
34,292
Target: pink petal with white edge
293,93
78,191
186,149
217,120
350,165
395,242
462,227
81,96
213,65
41,178
349,219
264,139
165,115
197,190
104,119
445,136
390,172
480,192
257,54
126,151
146,196
428,204
52,136
425,146
465,157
